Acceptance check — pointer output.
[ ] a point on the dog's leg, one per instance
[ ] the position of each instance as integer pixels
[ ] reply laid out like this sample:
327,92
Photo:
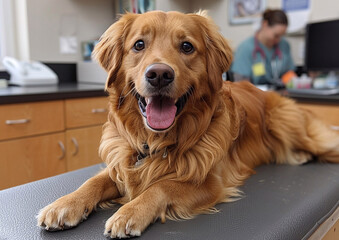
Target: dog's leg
180,199
70,210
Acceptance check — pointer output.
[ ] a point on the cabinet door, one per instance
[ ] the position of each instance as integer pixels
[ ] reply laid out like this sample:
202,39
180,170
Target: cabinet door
29,159
82,147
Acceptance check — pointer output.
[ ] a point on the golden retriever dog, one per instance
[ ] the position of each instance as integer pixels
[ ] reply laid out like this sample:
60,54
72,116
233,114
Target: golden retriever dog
178,139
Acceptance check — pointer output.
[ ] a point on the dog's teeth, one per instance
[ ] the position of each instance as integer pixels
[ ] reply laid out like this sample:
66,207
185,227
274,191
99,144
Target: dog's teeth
147,100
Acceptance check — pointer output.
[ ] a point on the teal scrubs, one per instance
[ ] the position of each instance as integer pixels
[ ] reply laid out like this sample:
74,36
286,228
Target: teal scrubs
258,69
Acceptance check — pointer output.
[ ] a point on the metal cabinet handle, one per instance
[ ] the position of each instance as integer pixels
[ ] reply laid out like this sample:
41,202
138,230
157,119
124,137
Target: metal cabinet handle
17,121
62,149
75,142
99,110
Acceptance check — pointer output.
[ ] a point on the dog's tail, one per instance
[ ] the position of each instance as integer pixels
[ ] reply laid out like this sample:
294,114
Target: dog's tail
300,133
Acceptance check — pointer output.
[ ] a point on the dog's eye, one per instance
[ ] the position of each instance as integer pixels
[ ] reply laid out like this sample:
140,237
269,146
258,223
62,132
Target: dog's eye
187,47
139,45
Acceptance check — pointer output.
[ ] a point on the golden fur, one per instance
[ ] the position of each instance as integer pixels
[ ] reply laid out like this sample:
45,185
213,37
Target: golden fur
224,131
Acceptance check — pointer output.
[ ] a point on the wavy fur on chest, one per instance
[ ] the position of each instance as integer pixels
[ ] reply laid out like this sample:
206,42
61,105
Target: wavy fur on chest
202,133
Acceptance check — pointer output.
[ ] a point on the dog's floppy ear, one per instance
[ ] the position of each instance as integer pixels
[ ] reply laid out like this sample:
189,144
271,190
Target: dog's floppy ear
219,54
109,51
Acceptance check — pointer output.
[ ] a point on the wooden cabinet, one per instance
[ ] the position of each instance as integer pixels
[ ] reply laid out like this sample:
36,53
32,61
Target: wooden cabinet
29,119
326,112
42,139
82,147
29,159
85,112
84,119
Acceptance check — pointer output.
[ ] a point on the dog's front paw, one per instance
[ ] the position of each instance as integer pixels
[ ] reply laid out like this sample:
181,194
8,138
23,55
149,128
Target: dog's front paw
129,221
64,213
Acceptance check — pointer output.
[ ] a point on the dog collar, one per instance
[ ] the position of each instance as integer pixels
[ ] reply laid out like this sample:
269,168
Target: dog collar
143,155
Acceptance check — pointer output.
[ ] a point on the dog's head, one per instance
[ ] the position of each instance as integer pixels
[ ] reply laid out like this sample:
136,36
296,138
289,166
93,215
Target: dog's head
167,61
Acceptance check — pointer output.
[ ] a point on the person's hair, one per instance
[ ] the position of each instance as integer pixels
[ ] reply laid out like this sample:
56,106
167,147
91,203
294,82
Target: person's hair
275,16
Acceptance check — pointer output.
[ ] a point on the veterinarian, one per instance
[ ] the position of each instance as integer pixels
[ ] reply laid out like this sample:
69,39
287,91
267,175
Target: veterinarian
264,57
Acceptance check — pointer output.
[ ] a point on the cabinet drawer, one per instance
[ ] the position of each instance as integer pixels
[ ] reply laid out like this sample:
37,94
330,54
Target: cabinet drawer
86,111
19,120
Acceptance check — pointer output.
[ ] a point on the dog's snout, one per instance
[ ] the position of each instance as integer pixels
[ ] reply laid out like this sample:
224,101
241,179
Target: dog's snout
159,75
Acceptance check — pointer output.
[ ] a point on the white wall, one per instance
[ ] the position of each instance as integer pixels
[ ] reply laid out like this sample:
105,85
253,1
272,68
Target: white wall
48,19
22,32
40,23
88,19
174,5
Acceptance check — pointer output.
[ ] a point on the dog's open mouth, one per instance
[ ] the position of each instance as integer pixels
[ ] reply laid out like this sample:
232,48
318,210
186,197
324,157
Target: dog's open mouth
160,111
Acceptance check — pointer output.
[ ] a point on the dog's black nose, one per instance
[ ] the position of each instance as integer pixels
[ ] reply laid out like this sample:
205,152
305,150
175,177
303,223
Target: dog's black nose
159,75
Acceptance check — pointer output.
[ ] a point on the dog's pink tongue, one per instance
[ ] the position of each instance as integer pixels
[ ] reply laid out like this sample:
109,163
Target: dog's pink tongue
160,112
